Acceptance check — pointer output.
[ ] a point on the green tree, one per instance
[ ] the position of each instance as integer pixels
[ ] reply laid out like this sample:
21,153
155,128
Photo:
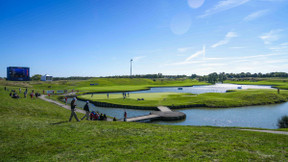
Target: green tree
222,77
212,78
36,77
283,122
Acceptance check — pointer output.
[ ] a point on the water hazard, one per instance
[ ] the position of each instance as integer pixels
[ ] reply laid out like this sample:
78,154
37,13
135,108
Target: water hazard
217,88
265,116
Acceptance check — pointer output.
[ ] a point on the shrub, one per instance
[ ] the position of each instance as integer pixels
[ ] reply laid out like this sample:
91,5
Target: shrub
283,122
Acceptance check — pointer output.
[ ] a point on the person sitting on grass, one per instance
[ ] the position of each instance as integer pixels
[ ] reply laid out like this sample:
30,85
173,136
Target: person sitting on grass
101,117
15,95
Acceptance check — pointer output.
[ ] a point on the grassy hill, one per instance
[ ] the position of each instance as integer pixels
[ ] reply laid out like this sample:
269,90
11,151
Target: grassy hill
102,84
34,130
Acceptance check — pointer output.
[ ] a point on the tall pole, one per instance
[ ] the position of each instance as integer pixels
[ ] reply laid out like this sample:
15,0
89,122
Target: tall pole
131,67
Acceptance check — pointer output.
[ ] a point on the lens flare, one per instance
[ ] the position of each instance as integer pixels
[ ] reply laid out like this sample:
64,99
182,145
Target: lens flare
195,3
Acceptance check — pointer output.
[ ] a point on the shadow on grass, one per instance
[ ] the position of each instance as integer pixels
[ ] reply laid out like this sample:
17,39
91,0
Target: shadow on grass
59,123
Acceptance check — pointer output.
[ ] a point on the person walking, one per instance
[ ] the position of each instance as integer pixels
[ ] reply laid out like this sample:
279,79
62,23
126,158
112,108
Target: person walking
25,94
125,116
73,105
86,108
66,100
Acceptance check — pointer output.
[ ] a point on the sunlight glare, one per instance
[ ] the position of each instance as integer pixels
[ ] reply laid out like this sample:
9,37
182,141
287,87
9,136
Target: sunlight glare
195,3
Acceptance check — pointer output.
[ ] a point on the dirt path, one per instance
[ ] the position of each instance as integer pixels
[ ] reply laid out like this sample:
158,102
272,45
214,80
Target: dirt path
266,131
43,97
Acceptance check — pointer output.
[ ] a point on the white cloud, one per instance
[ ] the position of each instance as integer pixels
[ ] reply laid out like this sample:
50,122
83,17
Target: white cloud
202,52
280,48
137,58
222,6
255,63
194,55
184,49
220,43
284,44
231,35
226,40
188,59
255,15
271,36
237,47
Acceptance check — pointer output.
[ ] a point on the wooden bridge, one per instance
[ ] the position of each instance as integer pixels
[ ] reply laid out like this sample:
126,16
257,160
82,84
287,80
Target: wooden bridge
164,113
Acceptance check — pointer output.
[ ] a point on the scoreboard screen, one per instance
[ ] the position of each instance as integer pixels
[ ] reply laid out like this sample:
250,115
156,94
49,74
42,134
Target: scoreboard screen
18,73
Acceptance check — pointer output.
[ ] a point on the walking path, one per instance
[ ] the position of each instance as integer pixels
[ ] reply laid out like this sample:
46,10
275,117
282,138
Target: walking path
43,97
164,114
141,118
266,131
164,109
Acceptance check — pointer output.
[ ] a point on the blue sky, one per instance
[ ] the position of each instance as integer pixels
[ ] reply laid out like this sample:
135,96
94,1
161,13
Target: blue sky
99,37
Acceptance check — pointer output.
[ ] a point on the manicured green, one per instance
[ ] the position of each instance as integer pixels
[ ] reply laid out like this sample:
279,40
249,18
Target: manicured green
35,130
275,82
234,98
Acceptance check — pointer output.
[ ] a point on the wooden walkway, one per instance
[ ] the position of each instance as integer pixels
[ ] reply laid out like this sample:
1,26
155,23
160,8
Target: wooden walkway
164,109
149,117
165,114
141,118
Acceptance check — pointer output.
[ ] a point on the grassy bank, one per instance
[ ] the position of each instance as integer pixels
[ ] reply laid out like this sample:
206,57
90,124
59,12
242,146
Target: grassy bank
277,83
34,130
234,98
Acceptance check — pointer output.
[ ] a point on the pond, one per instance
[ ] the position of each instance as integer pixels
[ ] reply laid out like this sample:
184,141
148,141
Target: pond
217,88
264,116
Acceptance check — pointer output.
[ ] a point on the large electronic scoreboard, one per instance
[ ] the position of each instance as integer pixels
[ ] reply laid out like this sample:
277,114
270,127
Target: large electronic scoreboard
18,73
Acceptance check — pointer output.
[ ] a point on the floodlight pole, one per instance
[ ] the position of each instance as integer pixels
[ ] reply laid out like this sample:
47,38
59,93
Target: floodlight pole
131,67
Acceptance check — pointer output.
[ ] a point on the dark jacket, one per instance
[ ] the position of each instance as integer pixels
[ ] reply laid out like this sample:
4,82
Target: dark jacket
73,105
86,107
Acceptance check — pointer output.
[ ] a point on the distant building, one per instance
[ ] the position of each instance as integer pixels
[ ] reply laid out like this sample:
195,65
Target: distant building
18,73
46,77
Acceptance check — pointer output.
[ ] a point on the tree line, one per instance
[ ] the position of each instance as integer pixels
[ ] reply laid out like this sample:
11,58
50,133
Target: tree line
148,76
211,78
214,77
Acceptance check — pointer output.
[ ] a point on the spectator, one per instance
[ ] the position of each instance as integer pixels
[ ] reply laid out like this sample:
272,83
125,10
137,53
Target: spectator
86,108
73,107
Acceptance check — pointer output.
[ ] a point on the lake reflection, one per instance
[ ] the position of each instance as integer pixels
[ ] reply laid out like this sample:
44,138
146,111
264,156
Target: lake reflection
217,88
265,116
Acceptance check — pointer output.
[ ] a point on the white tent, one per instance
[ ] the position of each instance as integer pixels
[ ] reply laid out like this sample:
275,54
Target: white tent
46,77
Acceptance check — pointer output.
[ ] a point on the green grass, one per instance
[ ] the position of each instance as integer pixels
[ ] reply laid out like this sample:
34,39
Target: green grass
275,82
34,130
234,98
104,84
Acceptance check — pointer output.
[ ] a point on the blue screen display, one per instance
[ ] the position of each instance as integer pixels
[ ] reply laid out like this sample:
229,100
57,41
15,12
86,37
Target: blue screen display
18,73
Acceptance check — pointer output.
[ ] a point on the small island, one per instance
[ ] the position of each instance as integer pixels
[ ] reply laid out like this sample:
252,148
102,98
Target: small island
233,98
